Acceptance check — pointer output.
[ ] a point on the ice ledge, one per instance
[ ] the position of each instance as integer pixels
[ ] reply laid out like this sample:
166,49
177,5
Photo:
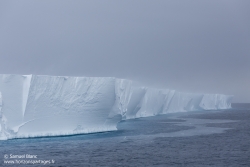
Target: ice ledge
39,105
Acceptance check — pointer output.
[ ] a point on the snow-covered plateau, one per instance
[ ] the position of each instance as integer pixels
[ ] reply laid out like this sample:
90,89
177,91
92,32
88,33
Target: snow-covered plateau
37,105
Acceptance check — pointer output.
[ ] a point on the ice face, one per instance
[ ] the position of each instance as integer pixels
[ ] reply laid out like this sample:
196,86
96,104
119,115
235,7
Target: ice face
32,105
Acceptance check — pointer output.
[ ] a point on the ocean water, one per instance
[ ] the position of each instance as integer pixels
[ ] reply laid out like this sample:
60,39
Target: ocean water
205,138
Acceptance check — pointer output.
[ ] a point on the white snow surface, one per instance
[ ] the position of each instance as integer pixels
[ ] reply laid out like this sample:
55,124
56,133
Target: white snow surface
37,105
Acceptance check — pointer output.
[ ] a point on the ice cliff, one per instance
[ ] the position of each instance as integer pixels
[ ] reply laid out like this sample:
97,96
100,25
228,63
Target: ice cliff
33,105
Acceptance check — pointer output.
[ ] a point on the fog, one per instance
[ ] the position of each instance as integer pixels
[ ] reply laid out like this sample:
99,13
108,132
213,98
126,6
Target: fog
191,46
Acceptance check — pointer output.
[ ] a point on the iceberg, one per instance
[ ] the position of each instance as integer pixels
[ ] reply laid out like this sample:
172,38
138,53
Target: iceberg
38,105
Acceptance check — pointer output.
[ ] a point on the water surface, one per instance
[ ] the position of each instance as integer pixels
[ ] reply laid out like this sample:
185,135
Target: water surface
211,138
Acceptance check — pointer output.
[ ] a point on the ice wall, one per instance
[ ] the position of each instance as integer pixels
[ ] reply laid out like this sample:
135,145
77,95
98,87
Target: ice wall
32,105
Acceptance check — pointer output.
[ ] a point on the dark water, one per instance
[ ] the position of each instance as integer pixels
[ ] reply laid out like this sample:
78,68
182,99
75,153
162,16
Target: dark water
211,138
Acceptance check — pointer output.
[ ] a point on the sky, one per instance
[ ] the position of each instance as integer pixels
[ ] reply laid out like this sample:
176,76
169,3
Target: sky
191,46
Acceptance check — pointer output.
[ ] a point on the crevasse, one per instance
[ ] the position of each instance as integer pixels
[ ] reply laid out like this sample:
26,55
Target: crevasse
36,105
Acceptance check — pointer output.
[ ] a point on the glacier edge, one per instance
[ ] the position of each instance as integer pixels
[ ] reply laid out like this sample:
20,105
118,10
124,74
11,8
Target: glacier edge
38,105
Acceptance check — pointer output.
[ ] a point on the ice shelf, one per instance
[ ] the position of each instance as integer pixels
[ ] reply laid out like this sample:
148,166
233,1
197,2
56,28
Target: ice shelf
37,105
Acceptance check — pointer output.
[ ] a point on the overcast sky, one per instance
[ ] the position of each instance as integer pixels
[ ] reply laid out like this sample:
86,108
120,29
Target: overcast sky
191,46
